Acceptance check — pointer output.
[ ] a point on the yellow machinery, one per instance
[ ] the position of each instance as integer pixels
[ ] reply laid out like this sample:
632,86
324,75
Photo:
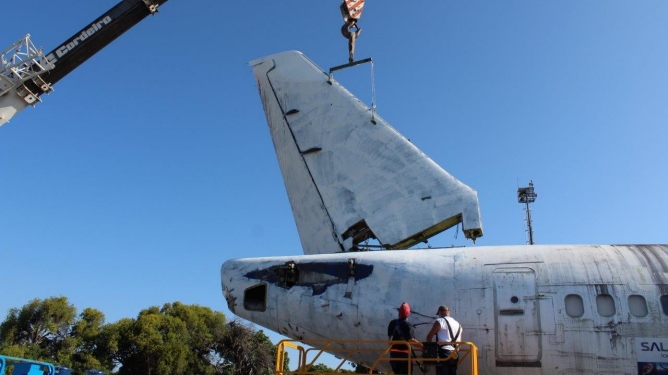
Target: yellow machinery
346,349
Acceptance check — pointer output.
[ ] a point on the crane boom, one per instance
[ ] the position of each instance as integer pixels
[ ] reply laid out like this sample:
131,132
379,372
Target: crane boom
26,73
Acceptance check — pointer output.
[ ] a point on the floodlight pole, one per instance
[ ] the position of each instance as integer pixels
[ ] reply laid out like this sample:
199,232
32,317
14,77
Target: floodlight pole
527,195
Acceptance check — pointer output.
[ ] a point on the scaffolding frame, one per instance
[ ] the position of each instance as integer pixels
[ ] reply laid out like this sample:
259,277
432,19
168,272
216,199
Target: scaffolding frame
378,349
22,62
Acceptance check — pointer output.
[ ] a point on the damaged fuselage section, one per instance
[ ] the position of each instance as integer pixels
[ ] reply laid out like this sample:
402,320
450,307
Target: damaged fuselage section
279,292
529,309
315,275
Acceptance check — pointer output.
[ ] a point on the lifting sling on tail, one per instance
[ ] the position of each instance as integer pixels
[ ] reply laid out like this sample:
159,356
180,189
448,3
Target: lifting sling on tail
351,10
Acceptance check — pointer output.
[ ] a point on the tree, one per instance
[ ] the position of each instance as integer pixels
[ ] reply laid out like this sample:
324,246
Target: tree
152,344
176,339
205,329
320,368
243,351
113,343
40,329
86,331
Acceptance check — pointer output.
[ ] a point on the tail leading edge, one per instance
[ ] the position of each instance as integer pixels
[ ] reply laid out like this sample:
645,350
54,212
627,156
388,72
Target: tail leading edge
349,180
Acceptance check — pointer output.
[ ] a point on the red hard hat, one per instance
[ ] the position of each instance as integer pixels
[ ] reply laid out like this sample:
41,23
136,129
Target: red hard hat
404,310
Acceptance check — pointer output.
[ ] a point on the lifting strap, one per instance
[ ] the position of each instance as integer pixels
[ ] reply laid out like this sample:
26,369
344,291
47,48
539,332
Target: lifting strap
373,82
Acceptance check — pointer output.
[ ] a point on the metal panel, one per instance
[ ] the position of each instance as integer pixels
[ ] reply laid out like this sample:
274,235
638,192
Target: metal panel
347,179
517,316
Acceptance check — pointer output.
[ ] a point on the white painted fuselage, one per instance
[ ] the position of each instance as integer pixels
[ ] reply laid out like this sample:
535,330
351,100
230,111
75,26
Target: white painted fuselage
555,309
350,177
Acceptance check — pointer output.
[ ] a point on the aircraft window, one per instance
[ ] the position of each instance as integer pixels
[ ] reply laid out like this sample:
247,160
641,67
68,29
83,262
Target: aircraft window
514,299
664,304
638,305
605,305
255,298
574,306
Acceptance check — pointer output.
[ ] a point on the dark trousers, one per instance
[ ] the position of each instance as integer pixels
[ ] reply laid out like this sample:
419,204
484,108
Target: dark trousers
400,367
448,367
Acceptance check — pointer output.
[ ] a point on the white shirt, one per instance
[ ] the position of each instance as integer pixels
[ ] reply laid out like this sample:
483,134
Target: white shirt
444,335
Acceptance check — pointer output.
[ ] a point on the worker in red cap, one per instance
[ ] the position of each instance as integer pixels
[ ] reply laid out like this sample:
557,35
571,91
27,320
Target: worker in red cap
401,330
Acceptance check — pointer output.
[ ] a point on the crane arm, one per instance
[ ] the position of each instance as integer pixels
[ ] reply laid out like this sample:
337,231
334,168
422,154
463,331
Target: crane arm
26,73
94,37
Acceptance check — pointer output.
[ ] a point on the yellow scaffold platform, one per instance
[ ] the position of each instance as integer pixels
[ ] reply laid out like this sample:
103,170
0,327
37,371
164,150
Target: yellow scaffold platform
376,352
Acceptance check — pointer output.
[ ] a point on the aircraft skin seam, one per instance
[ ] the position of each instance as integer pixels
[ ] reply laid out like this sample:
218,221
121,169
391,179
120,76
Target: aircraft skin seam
294,139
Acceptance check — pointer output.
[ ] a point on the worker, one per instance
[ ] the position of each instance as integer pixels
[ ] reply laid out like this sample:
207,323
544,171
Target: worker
401,330
346,30
446,329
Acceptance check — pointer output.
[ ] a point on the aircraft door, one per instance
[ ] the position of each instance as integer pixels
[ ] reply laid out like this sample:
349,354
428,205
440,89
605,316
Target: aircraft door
518,340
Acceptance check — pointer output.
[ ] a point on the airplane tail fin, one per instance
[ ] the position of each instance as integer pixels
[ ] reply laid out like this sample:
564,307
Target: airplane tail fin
350,180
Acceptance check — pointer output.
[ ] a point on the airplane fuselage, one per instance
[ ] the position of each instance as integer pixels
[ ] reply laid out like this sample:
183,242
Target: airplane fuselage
554,309
351,177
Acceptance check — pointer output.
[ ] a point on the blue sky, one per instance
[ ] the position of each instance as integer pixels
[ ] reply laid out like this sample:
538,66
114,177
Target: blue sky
152,164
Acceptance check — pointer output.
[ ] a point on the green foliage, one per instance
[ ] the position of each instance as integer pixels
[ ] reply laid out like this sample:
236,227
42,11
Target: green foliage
243,351
206,329
85,332
39,322
41,329
322,368
176,339
13,350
